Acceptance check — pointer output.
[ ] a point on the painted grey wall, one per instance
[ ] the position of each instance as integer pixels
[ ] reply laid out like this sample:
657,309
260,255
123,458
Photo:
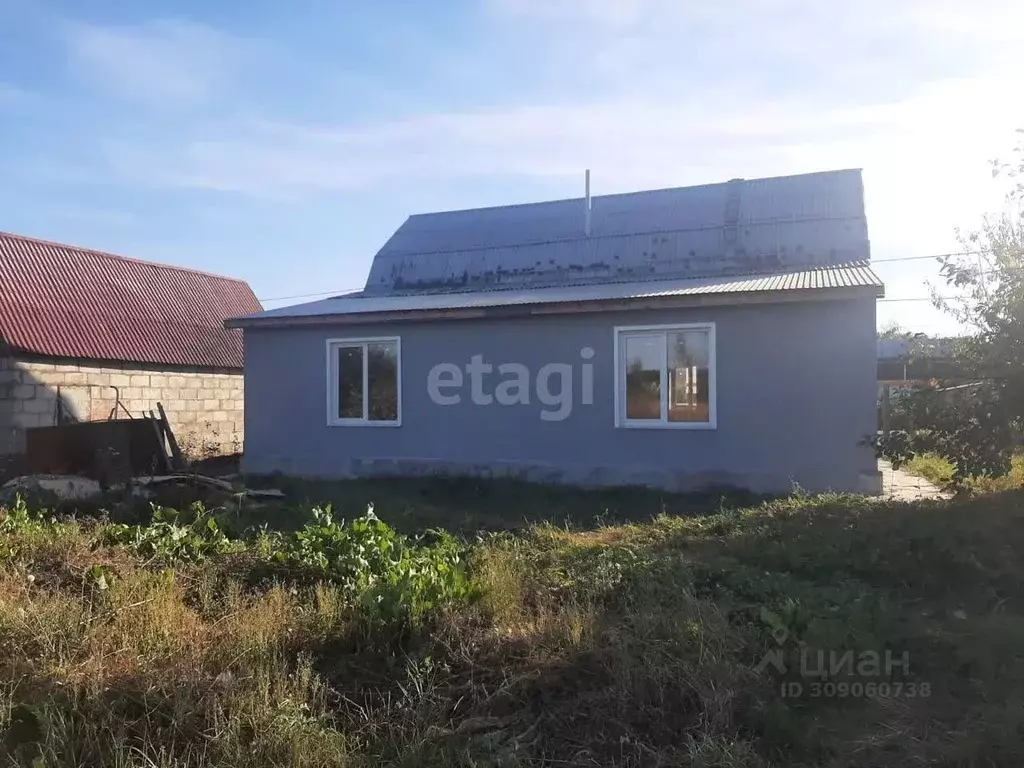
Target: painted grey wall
796,393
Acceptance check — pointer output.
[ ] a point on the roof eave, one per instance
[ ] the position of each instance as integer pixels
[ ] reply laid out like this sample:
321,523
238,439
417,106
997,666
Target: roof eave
564,307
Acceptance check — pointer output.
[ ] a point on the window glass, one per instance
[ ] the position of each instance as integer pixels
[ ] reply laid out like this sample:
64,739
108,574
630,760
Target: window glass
643,356
382,381
350,382
665,376
688,376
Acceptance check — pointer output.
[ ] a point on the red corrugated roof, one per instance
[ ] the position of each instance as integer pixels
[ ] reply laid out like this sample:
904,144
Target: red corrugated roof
62,301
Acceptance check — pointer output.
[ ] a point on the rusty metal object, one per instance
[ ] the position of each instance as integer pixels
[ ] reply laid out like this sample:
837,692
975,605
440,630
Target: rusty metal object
108,451
118,405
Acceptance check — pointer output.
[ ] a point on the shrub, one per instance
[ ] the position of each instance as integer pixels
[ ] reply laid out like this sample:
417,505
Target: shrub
169,540
941,472
392,578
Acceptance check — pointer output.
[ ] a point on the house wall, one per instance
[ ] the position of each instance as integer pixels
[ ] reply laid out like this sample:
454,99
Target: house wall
203,407
796,393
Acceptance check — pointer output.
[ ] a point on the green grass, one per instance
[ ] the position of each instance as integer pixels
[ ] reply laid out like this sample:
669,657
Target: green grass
940,471
637,643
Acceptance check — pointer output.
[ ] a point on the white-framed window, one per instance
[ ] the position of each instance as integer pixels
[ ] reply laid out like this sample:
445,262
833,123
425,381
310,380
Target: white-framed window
364,382
665,376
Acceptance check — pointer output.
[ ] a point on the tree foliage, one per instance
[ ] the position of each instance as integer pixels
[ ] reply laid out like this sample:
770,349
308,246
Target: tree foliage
976,421
893,330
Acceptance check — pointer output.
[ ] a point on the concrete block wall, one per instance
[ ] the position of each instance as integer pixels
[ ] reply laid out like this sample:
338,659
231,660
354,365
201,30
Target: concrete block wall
203,407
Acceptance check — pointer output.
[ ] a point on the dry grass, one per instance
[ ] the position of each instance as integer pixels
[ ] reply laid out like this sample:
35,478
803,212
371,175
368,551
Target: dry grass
631,645
940,471
136,673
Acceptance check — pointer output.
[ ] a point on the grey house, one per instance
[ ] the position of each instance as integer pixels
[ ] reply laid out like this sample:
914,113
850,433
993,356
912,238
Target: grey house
679,338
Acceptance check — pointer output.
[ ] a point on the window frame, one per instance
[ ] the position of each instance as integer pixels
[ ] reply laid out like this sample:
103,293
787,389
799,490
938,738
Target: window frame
362,342
621,422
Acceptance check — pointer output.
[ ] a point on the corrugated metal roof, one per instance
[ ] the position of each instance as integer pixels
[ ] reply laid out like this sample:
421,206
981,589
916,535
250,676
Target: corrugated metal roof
736,227
856,275
62,301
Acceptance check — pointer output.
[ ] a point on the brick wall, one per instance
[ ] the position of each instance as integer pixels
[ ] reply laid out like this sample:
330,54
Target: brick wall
203,407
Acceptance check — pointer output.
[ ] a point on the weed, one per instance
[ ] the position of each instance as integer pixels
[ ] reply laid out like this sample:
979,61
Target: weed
393,579
169,540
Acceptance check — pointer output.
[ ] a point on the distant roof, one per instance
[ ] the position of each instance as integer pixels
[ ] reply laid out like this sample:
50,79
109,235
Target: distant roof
789,233
920,346
850,276
63,301
732,228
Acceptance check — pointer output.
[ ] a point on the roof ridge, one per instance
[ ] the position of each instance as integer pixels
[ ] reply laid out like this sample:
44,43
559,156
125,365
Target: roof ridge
661,278
118,257
637,192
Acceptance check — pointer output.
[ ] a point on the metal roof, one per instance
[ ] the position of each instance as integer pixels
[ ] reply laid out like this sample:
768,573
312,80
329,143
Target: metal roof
849,276
733,228
62,301
917,346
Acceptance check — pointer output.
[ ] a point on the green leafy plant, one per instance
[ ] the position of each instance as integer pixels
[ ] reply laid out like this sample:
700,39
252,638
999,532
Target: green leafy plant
99,577
170,540
392,578
20,525
16,516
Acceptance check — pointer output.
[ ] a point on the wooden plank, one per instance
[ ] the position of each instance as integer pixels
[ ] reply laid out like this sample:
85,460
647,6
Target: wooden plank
195,479
160,441
179,460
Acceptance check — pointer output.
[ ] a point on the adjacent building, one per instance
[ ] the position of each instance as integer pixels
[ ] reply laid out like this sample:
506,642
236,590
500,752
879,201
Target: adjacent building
86,335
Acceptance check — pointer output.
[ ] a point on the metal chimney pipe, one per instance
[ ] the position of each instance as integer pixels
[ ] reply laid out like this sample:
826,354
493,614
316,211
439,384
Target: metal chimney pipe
586,220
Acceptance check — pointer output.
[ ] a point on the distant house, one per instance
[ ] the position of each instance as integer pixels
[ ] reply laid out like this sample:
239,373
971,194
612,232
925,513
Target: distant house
915,359
678,338
86,335
908,362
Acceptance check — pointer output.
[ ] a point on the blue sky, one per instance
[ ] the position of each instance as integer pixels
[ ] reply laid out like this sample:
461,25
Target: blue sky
283,142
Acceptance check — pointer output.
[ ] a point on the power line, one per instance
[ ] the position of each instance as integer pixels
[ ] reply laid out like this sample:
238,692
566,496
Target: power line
929,256
929,298
310,295
918,258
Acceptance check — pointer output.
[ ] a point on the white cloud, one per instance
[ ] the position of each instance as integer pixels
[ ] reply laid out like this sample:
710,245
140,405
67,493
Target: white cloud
652,93
676,92
165,63
913,150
